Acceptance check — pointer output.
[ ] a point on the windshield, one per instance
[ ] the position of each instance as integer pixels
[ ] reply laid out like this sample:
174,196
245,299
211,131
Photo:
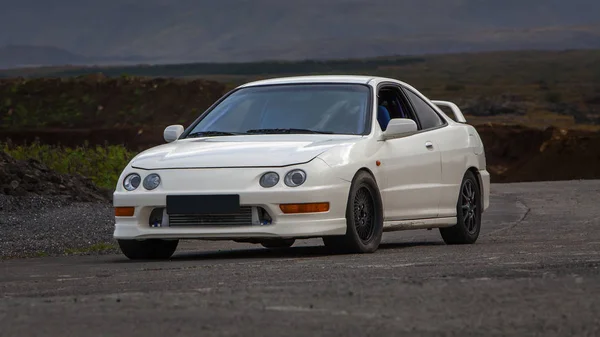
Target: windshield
303,108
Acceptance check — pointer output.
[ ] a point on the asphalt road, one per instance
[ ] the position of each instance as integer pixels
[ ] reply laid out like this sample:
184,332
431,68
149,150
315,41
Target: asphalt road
534,271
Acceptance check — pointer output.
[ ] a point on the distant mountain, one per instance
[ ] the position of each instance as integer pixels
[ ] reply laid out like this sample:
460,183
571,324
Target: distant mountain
249,30
30,56
20,56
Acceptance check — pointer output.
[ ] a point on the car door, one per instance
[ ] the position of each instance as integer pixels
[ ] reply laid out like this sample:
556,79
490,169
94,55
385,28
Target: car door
411,167
454,149
436,131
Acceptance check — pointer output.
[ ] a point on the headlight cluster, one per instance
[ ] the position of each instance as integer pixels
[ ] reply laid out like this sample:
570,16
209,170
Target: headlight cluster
133,180
269,179
293,178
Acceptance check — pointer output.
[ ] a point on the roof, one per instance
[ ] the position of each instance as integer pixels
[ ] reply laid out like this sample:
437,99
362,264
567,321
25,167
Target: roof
355,79
350,79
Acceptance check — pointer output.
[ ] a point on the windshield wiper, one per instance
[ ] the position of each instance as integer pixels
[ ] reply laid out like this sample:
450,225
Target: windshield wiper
212,133
287,131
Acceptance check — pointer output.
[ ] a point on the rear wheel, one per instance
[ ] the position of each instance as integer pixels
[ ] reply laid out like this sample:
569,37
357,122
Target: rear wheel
468,213
152,249
278,243
364,218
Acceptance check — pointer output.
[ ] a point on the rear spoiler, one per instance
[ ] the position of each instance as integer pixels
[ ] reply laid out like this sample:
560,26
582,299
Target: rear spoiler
458,115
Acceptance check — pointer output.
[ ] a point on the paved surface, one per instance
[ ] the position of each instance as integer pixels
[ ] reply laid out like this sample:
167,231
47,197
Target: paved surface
534,271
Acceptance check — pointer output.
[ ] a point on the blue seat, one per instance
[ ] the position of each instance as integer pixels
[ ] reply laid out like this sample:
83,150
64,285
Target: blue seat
383,117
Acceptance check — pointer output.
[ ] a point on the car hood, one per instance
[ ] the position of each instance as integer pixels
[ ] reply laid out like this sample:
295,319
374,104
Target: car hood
239,151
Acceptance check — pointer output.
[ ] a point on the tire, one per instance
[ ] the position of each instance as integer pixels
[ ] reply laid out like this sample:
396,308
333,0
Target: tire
468,213
278,243
152,249
364,218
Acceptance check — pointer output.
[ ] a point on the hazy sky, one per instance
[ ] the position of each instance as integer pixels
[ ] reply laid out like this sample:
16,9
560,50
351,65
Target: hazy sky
258,29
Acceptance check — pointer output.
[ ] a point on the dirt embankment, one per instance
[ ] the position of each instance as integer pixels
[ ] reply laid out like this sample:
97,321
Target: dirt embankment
518,154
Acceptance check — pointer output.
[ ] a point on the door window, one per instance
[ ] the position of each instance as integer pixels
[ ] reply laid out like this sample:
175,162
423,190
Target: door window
427,116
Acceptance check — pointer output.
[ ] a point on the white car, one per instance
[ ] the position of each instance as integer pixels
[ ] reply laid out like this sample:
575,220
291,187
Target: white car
342,158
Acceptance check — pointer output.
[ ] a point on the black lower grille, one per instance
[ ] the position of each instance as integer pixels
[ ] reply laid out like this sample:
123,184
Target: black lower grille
241,218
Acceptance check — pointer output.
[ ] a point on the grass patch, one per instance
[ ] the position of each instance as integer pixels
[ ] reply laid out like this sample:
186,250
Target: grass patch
102,164
102,247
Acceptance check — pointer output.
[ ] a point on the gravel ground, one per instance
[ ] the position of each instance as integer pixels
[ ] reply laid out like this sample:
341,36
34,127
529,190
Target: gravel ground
52,226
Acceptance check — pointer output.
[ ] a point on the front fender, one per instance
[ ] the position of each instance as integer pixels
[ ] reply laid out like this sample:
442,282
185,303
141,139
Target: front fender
348,159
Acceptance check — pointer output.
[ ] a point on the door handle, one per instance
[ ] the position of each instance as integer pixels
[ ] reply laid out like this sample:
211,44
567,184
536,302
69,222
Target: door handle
429,145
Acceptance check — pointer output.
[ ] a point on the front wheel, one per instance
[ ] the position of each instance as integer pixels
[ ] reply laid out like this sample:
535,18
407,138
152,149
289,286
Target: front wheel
152,249
468,213
364,218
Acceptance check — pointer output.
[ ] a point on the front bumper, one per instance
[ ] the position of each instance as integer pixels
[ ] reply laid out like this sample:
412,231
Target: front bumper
319,187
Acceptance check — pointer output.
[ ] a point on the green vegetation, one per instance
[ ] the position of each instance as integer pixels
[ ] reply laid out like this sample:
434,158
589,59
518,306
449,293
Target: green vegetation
102,164
101,247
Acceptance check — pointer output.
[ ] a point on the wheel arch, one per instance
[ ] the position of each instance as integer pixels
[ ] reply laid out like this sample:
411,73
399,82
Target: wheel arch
367,170
475,171
370,173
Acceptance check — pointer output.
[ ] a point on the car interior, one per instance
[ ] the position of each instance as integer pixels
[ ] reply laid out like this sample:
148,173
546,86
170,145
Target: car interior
392,104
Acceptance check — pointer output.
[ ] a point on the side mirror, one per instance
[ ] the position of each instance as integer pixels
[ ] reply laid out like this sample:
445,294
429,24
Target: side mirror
172,132
399,127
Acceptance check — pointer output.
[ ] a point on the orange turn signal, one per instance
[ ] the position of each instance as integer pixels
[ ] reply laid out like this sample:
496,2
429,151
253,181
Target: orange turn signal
124,211
304,208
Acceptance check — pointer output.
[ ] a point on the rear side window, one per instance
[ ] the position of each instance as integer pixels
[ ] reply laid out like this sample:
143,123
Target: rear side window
428,117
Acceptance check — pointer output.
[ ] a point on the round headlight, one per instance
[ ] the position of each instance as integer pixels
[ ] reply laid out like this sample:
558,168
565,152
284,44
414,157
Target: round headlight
269,179
132,181
295,178
151,181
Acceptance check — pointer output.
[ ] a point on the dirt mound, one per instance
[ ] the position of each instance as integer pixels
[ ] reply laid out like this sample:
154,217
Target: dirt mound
20,178
563,155
518,153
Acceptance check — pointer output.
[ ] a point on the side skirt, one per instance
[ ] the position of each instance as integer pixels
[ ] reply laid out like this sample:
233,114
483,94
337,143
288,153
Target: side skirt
390,226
